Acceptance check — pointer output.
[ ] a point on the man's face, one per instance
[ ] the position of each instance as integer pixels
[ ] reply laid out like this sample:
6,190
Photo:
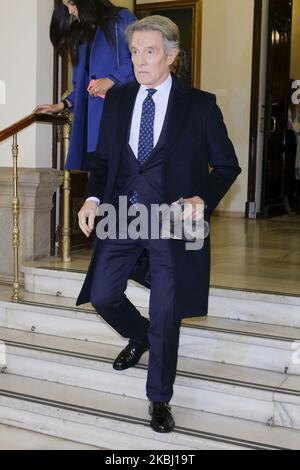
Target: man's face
150,62
73,11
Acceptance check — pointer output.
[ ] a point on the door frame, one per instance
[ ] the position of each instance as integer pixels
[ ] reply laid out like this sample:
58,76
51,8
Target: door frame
250,209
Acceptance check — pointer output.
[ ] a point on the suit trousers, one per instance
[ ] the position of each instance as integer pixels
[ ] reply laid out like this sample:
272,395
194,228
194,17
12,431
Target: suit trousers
115,261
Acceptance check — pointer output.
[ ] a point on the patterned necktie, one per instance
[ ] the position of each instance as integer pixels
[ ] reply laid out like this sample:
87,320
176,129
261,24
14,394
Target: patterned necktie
146,136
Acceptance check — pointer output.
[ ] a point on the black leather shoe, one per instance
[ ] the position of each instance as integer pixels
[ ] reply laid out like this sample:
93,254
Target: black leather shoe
130,356
162,419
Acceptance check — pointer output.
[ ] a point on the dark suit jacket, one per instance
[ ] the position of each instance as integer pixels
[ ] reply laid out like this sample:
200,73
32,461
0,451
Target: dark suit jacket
199,160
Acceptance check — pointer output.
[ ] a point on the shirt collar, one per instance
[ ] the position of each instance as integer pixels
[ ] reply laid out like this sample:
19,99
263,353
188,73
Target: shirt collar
164,87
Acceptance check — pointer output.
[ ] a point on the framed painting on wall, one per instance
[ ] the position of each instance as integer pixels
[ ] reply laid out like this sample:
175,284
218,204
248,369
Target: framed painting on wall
187,14
129,4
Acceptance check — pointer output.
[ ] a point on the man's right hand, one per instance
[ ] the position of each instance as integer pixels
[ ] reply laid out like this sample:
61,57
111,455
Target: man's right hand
86,217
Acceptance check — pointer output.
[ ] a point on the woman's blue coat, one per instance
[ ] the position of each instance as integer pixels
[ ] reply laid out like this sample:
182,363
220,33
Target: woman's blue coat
88,111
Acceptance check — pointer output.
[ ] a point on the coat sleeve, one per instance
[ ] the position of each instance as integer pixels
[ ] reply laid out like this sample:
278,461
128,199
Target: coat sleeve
99,167
71,97
124,73
222,159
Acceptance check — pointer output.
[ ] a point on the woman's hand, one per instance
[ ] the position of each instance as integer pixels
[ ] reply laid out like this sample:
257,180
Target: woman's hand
49,108
100,87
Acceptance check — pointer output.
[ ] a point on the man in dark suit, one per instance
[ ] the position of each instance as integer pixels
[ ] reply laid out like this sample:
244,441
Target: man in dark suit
161,140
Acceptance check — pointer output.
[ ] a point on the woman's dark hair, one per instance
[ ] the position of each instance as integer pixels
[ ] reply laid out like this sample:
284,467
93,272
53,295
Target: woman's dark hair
66,35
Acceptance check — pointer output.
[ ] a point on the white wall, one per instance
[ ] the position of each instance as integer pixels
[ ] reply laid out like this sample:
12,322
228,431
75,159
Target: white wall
226,67
44,86
26,62
227,32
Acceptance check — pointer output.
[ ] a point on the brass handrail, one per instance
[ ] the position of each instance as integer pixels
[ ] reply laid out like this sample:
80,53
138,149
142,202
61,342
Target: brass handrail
12,131
29,120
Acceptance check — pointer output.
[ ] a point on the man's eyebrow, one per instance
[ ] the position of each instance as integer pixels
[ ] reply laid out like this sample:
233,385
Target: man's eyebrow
147,47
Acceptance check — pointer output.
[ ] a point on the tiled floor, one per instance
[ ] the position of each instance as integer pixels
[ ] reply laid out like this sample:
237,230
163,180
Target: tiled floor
259,255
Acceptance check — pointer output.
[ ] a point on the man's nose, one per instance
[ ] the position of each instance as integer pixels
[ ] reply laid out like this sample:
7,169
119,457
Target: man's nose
141,59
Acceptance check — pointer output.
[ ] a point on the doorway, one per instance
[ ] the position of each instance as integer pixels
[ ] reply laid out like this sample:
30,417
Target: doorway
280,188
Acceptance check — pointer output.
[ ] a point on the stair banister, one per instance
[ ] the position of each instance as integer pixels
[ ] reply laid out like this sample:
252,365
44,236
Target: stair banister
12,131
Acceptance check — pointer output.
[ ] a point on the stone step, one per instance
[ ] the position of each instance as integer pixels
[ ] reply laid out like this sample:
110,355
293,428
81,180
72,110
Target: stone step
248,344
12,438
277,309
109,421
250,394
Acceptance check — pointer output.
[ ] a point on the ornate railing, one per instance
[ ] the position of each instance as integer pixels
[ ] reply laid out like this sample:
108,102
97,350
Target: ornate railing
13,131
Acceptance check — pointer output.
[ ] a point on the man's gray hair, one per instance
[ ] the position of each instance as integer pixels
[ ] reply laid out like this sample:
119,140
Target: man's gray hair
168,29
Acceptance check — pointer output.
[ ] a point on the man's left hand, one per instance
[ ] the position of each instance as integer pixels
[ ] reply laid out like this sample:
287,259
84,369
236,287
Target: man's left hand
195,208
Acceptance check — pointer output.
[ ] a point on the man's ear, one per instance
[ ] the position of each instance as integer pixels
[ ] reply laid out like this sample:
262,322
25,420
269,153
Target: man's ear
172,56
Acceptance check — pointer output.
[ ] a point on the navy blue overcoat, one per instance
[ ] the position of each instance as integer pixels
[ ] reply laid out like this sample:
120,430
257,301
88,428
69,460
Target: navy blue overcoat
199,160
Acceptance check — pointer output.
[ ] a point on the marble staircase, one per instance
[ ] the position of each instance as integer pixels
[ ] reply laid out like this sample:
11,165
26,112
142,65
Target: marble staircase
237,387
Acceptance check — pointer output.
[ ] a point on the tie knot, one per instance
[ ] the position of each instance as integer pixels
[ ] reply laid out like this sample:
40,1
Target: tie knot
151,92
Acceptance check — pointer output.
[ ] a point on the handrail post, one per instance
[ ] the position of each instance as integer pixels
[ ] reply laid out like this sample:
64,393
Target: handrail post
66,229
16,210
12,131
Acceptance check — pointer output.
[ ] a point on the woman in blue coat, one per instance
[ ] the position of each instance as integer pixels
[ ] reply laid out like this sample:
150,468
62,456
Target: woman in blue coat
92,33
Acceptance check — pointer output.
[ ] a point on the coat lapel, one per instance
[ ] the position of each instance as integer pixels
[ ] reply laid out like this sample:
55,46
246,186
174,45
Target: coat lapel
125,111
179,102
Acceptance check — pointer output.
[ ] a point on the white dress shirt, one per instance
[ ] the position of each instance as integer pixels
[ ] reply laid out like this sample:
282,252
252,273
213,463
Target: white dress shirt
161,99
